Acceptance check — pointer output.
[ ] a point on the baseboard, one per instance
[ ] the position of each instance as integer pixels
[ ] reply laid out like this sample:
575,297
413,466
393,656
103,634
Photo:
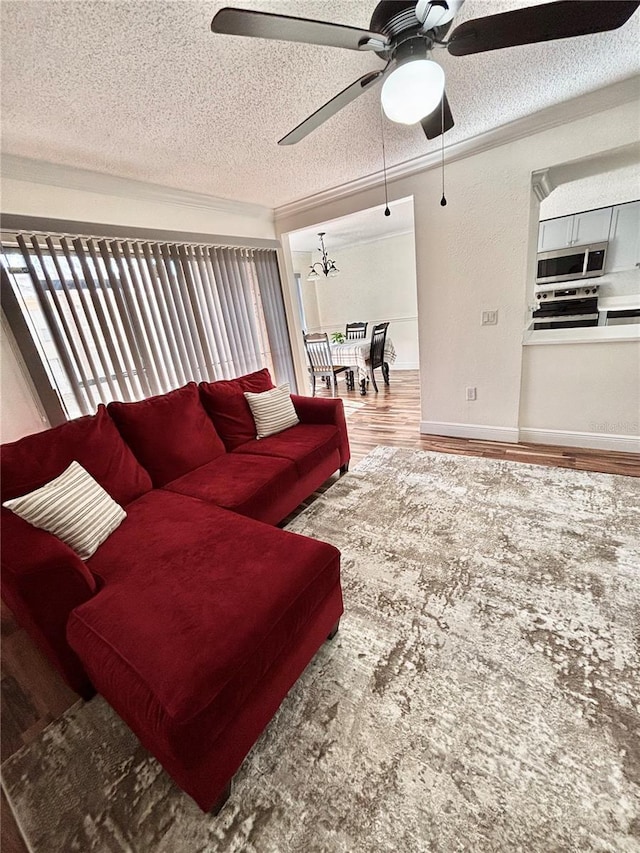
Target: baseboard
403,365
594,440
486,433
564,438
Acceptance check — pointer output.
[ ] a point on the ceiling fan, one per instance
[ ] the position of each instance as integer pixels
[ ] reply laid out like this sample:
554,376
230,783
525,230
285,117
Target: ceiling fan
403,33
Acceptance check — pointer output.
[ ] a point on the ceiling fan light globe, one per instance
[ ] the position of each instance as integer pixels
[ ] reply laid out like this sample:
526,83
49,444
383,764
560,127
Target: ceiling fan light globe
412,91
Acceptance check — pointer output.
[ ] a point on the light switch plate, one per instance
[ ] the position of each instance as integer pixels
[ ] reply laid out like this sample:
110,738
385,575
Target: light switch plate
490,318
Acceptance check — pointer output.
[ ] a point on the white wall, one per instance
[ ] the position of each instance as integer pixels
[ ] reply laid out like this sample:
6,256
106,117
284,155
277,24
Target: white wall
585,390
301,264
32,198
478,253
20,411
377,283
615,186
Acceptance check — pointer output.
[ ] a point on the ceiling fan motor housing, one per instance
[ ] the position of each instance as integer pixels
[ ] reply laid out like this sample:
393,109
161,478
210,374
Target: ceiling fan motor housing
397,20
413,47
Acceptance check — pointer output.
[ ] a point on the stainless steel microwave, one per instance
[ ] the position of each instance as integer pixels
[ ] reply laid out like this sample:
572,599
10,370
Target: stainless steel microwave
572,263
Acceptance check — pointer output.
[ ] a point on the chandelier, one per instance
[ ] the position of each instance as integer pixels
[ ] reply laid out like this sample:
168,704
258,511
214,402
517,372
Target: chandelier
326,265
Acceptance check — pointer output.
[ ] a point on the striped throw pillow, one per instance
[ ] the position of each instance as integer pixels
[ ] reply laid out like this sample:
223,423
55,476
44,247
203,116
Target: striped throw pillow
74,508
272,410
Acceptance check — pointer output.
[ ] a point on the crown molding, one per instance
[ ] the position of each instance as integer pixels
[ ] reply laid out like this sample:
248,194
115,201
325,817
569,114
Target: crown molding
365,241
19,168
591,103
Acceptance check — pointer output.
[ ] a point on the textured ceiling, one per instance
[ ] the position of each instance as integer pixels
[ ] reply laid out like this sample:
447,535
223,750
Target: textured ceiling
364,226
144,90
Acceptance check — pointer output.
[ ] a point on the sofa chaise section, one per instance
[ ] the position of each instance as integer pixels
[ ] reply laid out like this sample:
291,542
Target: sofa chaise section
197,664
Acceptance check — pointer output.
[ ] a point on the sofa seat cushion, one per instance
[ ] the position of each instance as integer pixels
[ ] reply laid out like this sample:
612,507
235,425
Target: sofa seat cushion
93,441
306,445
169,434
200,604
227,406
241,483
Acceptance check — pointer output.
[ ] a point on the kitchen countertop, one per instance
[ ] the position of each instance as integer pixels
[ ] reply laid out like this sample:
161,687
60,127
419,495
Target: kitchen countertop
619,303
586,335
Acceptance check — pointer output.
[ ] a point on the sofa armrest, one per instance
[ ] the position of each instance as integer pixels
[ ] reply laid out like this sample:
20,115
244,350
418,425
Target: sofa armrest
42,581
324,410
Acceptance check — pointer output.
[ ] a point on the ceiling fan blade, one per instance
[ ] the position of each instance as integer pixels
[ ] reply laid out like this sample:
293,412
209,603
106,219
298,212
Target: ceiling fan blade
331,107
244,22
432,124
545,22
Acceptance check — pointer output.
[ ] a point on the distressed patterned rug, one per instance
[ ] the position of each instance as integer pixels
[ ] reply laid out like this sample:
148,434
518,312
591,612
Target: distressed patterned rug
483,692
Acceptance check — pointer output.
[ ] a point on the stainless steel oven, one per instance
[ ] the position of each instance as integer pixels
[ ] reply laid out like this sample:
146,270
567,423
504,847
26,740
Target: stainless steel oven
566,307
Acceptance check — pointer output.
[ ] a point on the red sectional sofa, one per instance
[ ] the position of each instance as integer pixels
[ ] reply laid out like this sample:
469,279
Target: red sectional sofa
197,615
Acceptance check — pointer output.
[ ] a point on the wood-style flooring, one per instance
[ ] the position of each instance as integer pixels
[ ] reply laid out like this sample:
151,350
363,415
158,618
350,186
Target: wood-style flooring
32,693
392,416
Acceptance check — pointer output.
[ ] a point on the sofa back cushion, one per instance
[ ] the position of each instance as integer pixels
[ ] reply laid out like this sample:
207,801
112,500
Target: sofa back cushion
170,434
93,441
227,406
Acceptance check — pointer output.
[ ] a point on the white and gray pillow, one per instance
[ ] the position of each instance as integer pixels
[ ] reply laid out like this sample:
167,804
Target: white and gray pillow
272,410
74,507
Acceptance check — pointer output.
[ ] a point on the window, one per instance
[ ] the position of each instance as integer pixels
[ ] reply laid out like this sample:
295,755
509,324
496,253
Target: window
125,319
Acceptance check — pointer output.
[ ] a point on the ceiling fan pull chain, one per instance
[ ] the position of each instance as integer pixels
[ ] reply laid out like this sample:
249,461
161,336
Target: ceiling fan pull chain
443,200
387,212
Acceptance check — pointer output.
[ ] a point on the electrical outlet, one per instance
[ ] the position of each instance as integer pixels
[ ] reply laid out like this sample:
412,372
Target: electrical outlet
489,318
471,394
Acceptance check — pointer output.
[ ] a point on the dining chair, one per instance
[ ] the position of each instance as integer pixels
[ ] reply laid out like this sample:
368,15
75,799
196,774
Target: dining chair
356,330
378,341
321,361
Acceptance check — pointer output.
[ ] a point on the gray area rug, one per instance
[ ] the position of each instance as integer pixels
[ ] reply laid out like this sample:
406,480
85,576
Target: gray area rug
483,693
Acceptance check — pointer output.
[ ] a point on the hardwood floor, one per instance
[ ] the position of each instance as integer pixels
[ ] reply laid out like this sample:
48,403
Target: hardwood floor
393,417
32,692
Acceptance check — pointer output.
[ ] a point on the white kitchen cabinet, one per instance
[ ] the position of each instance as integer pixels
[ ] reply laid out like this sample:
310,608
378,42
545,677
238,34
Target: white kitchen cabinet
579,229
555,233
624,243
593,226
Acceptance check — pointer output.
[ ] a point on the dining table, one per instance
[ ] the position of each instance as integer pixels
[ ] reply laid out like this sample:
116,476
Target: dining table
356,355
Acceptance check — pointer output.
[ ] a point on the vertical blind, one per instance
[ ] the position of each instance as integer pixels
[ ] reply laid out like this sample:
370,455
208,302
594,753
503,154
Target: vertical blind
126,319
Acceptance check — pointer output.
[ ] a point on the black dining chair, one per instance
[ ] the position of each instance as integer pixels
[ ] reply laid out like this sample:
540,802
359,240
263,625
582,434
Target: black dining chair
378,341
321,362
356,330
